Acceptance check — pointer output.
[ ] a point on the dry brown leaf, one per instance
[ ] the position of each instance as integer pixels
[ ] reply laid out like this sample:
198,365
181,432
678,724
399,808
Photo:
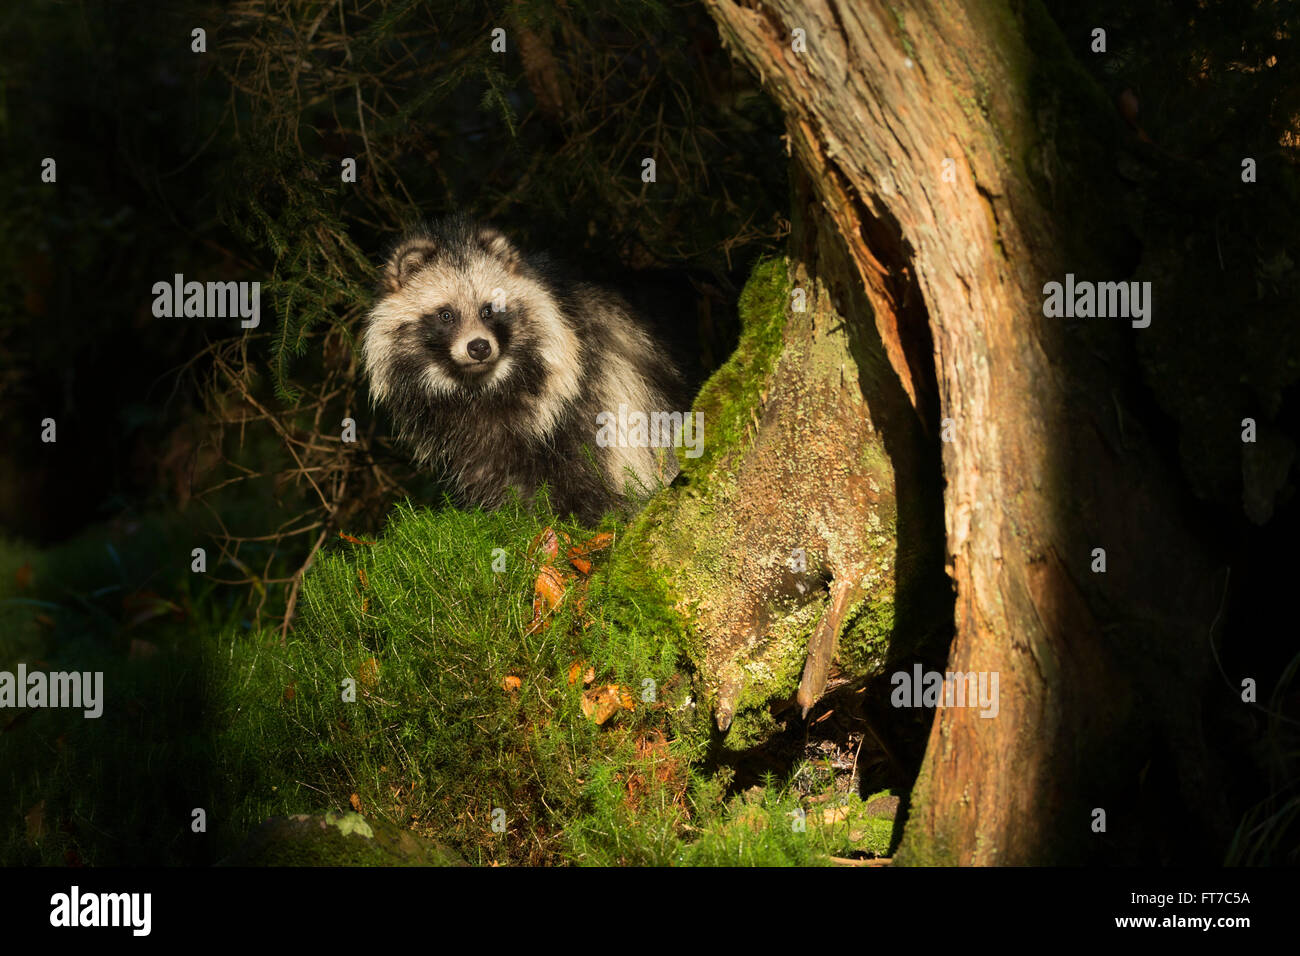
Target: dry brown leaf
355,801
548,592
576,673
595,543
537,623
582,564
602,703
547,544
550,587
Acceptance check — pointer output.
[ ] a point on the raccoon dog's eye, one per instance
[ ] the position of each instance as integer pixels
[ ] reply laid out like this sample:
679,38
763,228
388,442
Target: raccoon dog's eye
486,311
445,317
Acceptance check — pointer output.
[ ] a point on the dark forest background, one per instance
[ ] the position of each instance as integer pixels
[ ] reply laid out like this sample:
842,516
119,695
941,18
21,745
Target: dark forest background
175,434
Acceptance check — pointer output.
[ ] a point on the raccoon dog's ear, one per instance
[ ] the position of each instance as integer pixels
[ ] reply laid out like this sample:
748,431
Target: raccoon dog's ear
407,259
495,243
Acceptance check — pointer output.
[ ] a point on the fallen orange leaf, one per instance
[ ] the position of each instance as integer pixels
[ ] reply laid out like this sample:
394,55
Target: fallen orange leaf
577,673
602,703
550,586
355,801
511,683
595,543
548,592
547,543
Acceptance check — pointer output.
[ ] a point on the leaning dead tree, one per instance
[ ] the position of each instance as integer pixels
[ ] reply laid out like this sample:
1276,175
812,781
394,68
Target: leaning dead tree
951,157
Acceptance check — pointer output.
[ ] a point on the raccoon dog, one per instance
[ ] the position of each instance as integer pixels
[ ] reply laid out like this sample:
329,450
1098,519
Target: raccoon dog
494,369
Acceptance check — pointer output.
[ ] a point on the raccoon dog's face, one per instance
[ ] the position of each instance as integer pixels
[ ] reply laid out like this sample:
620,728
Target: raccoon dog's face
462,314
445,315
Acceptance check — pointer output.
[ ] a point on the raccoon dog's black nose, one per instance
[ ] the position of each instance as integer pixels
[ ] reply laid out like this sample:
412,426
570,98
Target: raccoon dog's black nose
479,349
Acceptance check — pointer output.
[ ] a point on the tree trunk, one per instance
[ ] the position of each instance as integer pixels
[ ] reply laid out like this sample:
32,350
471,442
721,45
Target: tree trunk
958,154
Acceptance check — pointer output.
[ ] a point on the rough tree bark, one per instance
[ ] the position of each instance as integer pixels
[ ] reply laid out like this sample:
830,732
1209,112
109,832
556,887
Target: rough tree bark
1048,456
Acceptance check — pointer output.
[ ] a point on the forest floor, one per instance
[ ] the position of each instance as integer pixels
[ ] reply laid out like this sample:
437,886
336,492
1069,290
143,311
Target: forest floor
476,679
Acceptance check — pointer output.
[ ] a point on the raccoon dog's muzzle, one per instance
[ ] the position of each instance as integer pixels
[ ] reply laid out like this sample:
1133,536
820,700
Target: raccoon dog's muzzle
475,349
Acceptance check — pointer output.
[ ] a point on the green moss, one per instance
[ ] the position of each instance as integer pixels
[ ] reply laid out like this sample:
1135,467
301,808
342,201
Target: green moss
852,825
930,846
752,724
865,642
777,674
693,527
908,46
769,825
734,390
936,849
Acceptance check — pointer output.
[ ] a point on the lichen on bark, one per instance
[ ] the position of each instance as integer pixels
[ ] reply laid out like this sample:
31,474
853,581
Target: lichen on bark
781,534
